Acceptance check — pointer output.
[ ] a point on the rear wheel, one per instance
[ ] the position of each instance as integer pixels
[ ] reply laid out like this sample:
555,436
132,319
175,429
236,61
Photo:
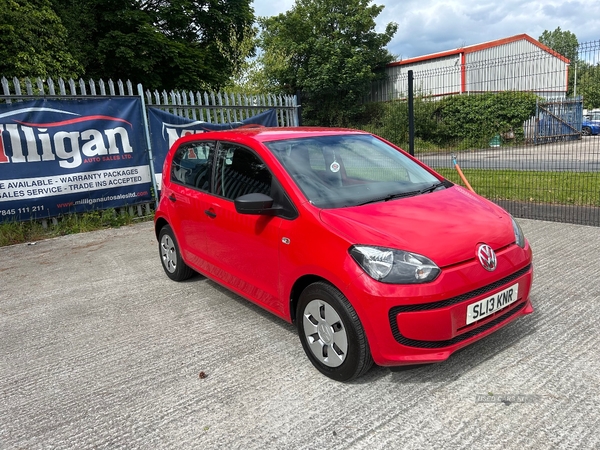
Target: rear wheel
331,333
586,131
170,256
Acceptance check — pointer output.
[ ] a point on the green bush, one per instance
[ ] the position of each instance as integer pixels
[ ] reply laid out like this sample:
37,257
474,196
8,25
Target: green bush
390,121
482,116
458,122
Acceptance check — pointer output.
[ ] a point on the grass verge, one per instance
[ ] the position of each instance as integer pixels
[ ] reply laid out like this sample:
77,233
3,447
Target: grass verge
562,188
20,232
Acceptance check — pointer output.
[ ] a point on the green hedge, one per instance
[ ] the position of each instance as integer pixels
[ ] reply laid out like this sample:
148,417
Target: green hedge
461,121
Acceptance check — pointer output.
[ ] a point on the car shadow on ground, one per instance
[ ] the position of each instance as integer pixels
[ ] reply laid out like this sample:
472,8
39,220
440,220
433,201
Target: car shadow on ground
250,305
459,363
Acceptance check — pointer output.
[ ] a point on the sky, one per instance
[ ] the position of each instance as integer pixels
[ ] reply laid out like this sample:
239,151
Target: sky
428,26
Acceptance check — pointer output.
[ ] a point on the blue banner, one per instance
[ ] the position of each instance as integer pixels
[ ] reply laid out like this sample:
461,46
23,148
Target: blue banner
166,128
68,156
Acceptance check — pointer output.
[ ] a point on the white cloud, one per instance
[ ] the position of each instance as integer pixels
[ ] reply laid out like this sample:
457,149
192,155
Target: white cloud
270,8
427,26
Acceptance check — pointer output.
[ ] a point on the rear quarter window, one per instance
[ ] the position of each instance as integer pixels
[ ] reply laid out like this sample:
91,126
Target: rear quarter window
192,165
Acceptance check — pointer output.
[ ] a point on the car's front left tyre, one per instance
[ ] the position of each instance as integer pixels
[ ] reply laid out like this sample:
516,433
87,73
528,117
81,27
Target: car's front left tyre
170,256
331,333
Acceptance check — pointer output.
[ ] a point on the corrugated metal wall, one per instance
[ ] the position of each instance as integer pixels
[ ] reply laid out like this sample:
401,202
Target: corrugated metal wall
447,77
516,66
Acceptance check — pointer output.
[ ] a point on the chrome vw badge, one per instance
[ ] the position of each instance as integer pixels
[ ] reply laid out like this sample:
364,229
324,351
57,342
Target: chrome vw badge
487,257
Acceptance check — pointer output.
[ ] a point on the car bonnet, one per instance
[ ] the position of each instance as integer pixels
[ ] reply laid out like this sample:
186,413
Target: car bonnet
445,225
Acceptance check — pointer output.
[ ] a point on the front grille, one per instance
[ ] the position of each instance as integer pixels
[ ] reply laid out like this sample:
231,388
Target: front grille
459,298
455,340
393,313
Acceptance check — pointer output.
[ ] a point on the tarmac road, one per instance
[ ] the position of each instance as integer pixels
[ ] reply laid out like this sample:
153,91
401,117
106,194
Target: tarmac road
99,349
574,156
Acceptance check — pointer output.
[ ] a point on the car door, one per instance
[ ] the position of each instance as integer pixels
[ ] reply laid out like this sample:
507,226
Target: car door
242,249
190,176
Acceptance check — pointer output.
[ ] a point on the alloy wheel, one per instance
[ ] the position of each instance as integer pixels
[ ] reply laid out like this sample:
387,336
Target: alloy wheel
325,333
168,253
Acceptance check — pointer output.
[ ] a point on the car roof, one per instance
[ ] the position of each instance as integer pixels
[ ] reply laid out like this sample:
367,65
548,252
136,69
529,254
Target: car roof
266,134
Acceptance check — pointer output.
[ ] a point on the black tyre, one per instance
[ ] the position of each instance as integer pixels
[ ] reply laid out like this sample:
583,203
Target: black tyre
331,333
586,131
170,256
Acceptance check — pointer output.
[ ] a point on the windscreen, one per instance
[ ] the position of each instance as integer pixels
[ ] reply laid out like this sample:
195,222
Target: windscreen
349,170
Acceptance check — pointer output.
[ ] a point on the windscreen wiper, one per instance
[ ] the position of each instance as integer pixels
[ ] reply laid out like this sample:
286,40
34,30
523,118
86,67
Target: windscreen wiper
433,187
389,197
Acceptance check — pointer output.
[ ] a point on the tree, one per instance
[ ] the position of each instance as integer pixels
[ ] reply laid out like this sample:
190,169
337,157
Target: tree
33,41
588,86
163,44
330,51
563,42
249,77
566,44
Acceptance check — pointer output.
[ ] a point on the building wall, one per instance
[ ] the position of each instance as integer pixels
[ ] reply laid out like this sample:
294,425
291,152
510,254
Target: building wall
513,66
439,76
516,66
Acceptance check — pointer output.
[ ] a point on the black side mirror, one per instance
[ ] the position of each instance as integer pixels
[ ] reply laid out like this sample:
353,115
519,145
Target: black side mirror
254,204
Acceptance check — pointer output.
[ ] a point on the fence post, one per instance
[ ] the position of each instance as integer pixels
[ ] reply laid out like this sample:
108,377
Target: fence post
148,144
299,108
411,115
537,121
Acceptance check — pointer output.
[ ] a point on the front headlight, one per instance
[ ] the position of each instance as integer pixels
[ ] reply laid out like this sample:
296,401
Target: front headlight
394,266
519,236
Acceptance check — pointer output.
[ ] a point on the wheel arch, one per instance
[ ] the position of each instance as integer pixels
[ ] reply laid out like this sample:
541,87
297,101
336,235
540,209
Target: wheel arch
302,283
160,222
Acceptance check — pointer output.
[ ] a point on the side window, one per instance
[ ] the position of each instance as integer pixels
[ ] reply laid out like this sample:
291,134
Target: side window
239,172
192,164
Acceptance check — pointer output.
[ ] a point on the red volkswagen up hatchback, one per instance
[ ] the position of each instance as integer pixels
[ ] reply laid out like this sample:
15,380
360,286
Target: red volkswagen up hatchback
374,256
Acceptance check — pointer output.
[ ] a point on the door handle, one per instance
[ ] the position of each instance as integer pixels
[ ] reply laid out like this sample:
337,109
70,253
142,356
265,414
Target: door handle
210,213
172,198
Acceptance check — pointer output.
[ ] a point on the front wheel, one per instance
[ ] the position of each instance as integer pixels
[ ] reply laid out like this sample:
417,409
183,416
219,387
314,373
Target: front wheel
170,256
586,131
331,333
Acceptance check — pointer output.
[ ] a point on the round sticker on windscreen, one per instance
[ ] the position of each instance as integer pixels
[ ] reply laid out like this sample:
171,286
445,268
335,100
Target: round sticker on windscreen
334,167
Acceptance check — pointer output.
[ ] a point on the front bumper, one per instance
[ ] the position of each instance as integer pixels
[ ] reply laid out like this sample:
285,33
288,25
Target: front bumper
427,323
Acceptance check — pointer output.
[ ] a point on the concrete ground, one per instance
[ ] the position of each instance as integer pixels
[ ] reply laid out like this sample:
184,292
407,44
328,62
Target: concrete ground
99,349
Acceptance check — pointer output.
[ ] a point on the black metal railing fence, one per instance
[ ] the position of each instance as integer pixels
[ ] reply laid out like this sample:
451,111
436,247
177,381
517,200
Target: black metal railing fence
525,127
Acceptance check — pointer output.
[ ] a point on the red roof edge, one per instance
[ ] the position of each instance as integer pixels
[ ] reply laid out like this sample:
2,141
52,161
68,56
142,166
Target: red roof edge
457,51
478,47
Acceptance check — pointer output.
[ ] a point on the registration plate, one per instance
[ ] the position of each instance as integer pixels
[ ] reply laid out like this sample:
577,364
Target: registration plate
488,306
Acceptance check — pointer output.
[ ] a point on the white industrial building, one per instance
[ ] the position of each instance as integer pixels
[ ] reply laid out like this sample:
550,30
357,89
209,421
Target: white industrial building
517,63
